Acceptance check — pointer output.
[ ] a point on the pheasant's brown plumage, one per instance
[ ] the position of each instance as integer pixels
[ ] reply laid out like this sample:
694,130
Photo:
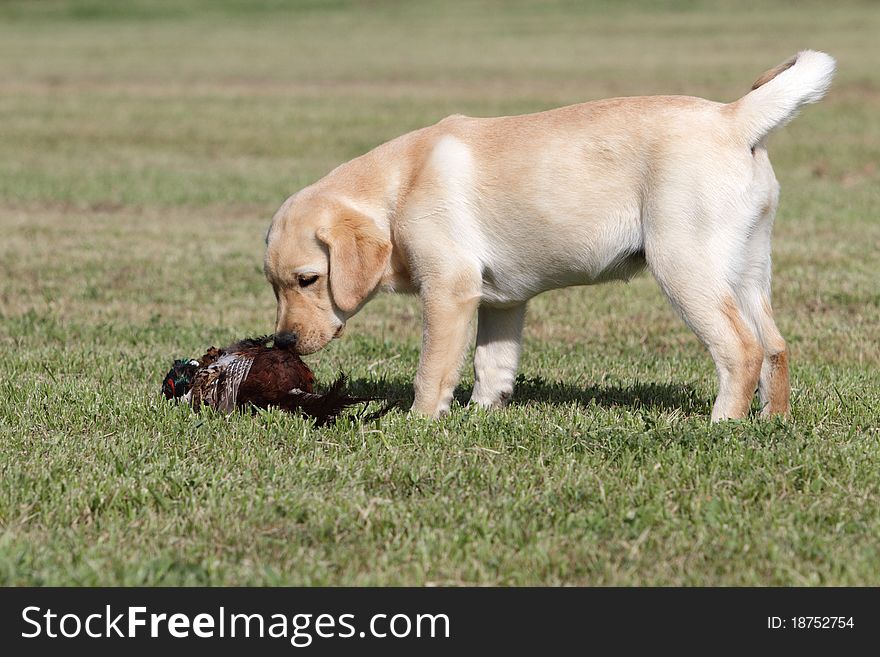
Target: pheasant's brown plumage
252,374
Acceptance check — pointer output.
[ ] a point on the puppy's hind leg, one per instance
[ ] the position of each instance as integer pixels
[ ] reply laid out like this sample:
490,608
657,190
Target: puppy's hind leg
774,387
754,299
694,285
499,339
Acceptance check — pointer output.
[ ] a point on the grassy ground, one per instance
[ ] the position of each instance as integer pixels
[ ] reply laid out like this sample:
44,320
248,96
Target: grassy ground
143,149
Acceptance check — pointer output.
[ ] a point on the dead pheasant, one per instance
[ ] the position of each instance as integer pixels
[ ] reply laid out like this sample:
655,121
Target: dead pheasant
252,374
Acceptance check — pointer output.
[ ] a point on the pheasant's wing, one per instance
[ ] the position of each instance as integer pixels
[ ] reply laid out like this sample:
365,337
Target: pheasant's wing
217,384
236,371
203,385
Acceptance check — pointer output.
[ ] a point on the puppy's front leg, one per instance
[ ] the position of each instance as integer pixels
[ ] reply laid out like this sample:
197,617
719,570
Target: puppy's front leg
499,337
446,318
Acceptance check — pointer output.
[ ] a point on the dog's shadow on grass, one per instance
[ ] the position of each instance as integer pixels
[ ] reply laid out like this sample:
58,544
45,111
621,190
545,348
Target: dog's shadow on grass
536,390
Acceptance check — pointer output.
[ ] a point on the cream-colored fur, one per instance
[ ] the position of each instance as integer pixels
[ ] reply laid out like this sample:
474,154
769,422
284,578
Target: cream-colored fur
482,214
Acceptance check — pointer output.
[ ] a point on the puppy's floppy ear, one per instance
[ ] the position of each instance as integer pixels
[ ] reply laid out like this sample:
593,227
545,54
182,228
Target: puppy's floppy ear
359,255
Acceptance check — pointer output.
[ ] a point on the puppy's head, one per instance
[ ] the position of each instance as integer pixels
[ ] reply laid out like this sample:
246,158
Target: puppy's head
324,260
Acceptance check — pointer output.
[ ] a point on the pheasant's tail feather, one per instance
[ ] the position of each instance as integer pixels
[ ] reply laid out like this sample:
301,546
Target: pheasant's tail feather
325,407
387,408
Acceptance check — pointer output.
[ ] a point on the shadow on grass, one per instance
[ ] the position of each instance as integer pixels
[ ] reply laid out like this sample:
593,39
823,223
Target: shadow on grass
531,390
638,395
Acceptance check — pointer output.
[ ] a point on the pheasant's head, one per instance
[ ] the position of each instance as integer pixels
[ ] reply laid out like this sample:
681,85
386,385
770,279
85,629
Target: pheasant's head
178,381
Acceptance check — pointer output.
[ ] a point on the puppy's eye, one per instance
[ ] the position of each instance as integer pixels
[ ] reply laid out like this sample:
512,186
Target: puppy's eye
305,281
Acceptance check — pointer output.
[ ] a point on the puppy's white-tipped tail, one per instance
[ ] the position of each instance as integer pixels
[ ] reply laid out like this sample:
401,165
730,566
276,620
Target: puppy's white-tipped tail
779,93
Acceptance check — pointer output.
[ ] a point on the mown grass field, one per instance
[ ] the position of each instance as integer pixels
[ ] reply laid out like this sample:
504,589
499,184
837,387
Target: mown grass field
143,149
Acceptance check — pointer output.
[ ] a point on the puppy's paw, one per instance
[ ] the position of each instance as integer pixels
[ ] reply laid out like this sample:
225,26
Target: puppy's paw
434,411
497,399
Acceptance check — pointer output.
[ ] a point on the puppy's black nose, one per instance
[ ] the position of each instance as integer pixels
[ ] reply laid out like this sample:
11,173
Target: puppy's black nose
286,340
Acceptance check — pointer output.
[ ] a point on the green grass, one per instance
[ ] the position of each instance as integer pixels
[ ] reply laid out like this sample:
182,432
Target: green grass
144,147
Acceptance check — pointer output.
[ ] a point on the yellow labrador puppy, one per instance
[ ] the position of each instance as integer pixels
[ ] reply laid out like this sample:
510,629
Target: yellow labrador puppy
482,214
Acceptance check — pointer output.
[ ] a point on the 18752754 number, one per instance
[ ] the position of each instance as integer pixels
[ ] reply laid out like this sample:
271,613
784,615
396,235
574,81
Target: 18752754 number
810,623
